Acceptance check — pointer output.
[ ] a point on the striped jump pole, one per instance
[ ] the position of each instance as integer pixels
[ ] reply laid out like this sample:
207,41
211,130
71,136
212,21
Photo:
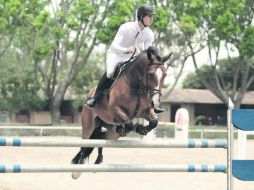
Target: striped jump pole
16,168
18,142
241,169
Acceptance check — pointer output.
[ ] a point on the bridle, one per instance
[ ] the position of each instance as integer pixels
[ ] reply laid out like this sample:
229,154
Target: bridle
143,87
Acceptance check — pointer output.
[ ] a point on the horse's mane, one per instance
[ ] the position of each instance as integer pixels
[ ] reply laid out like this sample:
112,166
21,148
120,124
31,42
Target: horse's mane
149,52
136,68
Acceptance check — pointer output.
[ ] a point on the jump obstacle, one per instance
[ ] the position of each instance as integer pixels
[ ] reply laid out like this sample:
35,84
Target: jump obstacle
242,169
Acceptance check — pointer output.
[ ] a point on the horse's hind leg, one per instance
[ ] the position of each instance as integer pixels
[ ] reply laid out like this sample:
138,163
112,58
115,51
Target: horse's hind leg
123,132
86,151
99,158
110,134
113,135
88,131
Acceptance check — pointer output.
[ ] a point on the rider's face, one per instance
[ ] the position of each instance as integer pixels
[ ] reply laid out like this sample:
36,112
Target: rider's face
148,20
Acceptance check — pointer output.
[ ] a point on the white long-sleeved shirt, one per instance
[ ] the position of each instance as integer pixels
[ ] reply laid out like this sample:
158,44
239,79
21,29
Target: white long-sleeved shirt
130,34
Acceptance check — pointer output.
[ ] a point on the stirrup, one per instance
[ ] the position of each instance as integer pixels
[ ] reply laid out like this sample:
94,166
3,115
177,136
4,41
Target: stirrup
158,110
90,103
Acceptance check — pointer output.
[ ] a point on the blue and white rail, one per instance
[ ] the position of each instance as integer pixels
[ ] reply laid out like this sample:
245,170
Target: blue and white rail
241,169
28,142
16,168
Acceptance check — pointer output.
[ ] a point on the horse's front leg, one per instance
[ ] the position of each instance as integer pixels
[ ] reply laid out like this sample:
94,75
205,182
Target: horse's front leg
153,122
120,115
124,130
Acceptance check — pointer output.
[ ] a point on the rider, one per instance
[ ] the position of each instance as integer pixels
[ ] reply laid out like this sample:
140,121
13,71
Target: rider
128,37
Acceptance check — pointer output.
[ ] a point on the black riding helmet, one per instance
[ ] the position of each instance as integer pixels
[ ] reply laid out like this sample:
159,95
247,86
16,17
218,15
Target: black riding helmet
143,11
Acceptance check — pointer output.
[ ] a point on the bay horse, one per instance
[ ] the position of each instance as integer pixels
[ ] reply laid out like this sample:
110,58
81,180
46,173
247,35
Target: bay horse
130,97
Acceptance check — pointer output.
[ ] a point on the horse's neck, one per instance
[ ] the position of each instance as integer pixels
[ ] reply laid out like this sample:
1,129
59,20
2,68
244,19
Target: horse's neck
135,72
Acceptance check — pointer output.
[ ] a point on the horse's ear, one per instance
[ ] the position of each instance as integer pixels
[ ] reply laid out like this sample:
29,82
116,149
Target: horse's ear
150,52
164,59
151,57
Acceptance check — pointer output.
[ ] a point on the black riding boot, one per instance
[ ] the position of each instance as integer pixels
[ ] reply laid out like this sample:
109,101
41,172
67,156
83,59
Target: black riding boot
103,85
158,110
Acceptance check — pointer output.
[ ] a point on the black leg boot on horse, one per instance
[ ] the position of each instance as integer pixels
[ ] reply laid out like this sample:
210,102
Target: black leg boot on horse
103,85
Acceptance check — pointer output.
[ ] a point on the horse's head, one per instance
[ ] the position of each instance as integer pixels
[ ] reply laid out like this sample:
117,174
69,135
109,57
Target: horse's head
142,72
155,63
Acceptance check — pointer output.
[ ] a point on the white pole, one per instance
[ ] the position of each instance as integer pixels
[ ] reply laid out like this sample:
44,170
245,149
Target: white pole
159,143
230,145
16,168
182,124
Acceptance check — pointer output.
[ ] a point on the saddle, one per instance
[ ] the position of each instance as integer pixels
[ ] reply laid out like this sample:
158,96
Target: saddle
118,72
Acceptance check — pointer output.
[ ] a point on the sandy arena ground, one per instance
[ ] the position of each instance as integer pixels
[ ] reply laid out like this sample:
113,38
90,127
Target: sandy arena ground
118,181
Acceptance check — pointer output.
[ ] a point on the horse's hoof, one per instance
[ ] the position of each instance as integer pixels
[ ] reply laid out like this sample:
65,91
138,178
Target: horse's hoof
99,160
141,130
75,175
121,131
104,129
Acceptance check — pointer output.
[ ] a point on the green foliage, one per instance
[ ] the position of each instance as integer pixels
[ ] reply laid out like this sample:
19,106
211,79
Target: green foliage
226,26
41,19
223,18
226,70
247,42
161,19
88,78
190,14
192,81
120,12
187,25
42,49
58,40
19,91
200,119
18,87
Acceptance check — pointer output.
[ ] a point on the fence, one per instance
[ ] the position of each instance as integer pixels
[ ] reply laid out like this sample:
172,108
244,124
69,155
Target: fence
241,169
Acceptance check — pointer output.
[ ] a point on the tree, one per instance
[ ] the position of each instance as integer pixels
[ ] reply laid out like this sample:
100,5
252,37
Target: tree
225,69
88,78
17,88
15,15
219,23
169,37
64,40
64,35
59,38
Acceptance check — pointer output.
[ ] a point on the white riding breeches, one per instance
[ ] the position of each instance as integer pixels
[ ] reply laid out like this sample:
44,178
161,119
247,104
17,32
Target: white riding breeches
113,59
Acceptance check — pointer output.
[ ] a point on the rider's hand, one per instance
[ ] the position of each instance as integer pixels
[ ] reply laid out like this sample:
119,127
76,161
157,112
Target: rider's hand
130,49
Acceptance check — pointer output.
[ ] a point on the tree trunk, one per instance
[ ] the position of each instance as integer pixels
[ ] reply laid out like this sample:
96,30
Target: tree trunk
55,114
56,104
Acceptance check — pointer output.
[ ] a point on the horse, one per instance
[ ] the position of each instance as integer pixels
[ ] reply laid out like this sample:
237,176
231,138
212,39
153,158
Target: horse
129,97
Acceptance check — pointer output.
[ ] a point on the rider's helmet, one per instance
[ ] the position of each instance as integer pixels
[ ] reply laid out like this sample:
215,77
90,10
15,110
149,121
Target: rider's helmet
145,10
